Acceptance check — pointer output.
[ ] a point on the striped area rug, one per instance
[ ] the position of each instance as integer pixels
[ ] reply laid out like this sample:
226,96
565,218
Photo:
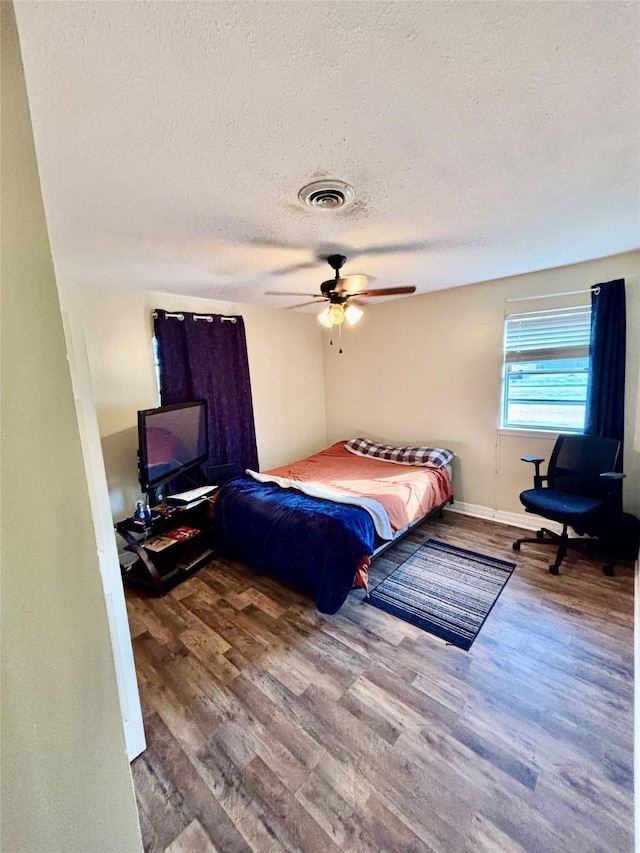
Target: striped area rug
444,590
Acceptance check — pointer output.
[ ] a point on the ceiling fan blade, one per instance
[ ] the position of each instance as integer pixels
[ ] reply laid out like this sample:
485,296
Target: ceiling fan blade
353,283
289,293
387,291
302,304
304,265
268,243
393,248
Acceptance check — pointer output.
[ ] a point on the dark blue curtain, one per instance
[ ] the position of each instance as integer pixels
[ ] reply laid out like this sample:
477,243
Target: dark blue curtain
204,356
605,389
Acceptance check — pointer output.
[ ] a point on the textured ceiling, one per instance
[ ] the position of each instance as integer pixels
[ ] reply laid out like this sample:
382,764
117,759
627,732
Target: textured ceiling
483,139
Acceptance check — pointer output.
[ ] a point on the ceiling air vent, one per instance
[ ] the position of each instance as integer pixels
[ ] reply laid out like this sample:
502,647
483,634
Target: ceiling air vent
327,195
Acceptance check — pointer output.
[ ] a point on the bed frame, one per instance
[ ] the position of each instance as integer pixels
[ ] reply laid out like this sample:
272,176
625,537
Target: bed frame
402,533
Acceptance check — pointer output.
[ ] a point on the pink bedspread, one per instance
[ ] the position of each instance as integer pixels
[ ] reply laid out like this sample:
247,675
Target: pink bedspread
407,492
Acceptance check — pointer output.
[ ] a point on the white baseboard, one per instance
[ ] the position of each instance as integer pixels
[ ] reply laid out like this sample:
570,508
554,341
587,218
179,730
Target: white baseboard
515,519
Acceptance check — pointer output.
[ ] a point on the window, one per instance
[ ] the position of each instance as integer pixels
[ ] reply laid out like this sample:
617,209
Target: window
156,364
546,367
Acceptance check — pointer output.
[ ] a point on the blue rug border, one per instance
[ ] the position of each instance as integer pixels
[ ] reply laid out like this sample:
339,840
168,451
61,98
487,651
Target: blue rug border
435,630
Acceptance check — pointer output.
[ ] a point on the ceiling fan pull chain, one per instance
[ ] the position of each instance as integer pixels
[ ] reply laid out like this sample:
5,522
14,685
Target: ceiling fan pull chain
340,335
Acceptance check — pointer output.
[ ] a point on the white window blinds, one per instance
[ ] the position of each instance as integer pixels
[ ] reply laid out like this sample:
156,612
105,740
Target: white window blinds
545,335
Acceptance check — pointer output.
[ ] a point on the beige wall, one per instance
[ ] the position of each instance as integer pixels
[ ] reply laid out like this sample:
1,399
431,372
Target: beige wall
66,784
428,369
285,363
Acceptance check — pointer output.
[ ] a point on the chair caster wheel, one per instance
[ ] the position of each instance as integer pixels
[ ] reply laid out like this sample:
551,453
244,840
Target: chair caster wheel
554,570
539,534
608,571
516,545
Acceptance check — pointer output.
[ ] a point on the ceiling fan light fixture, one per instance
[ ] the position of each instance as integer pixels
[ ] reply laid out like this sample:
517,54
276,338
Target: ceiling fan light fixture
352,314
325,318
336,313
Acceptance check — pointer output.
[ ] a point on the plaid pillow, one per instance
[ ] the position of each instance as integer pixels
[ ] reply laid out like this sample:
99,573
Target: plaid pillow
432,457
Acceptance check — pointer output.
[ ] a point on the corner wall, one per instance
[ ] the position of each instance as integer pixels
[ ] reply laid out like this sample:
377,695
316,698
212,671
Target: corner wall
285,363
66,784
428,369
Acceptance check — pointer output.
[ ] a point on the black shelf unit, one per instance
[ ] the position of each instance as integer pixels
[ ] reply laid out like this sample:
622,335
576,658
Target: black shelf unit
159,571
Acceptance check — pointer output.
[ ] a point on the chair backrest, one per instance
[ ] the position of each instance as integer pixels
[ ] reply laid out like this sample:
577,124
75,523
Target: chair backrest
577,462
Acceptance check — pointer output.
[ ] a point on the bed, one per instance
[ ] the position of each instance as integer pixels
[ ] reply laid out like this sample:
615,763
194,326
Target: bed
317,522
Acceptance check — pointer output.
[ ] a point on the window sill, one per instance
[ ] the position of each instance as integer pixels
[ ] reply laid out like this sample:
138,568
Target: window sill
529,433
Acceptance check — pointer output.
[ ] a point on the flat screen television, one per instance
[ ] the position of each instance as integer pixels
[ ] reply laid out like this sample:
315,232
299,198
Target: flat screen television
171,441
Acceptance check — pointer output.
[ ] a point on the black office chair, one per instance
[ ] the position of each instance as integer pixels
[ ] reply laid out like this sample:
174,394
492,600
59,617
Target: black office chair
582,491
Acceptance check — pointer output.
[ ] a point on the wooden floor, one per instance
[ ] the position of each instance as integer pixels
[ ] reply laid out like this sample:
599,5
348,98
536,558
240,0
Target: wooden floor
273,727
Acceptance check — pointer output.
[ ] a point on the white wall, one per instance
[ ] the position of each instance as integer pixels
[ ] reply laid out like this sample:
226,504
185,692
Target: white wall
429,368
66,783
285,363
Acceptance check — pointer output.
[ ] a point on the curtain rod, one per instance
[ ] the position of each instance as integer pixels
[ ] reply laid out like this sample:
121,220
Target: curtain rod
207,317
594,289
210,317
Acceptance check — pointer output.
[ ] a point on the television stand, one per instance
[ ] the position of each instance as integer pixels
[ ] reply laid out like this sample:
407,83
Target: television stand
175,544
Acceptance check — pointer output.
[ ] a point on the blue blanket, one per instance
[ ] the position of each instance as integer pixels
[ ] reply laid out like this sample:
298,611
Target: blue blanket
314,544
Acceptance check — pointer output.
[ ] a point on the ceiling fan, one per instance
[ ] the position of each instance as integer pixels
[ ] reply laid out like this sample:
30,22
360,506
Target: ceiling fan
343,301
